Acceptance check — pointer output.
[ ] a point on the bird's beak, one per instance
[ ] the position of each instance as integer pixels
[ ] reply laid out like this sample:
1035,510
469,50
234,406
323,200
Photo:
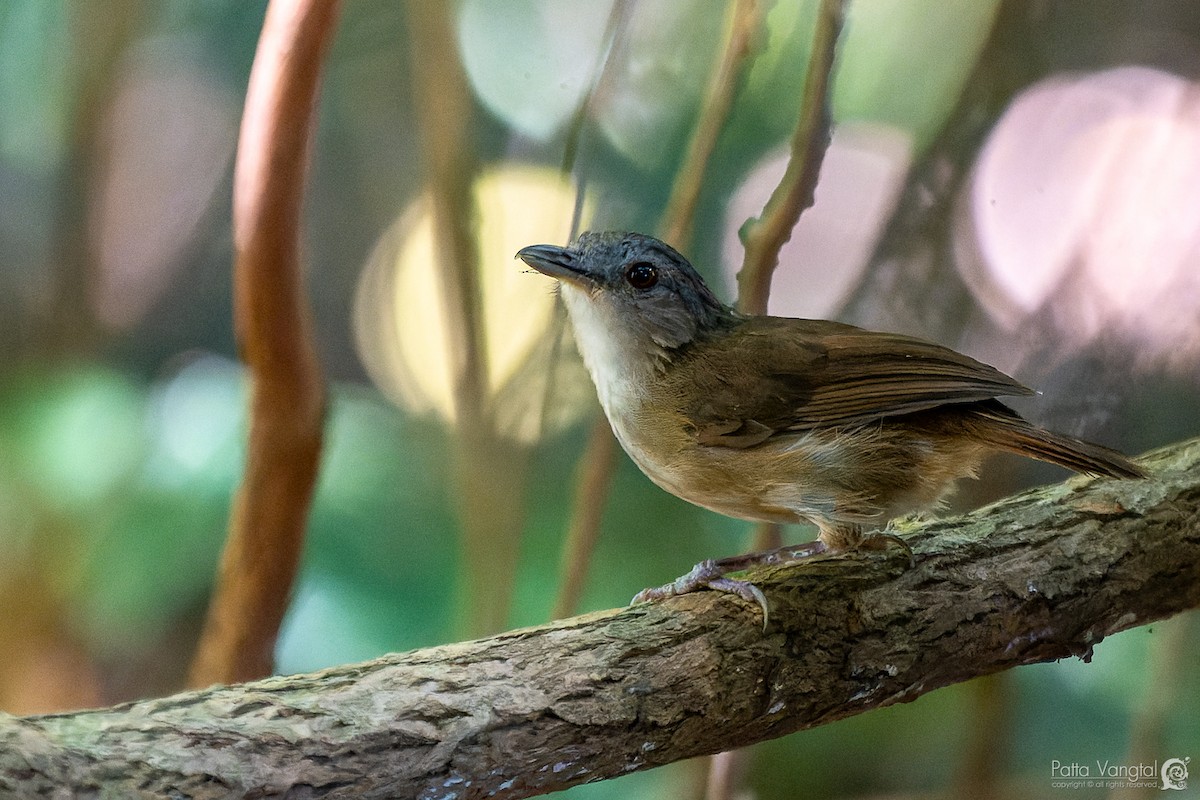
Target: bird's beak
557,262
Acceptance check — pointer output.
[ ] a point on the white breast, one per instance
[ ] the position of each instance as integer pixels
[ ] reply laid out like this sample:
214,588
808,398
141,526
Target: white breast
619,364
624,368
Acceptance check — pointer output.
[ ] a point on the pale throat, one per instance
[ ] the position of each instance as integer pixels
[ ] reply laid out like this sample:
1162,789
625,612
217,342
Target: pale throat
622,363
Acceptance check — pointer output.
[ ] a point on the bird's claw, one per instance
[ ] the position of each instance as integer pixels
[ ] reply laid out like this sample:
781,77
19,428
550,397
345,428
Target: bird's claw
710,574
707,575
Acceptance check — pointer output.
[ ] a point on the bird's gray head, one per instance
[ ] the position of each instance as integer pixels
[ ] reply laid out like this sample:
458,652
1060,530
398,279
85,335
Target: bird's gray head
633,284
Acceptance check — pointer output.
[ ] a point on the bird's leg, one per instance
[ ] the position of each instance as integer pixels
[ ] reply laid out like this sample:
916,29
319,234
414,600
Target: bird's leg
780,555
710,573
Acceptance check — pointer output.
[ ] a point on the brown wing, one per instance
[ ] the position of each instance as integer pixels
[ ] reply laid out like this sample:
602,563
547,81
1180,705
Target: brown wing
816,373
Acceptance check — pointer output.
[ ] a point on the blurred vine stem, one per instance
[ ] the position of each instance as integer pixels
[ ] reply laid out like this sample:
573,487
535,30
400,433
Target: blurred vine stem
489,469
66,324
275,335
742,37
763,238
988,739
1171,656
594,473
598,463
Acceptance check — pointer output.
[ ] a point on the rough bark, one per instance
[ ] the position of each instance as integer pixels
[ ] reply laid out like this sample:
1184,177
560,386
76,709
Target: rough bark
1040,576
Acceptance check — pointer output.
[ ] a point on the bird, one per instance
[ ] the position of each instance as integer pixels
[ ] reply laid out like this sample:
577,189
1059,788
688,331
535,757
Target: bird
777,419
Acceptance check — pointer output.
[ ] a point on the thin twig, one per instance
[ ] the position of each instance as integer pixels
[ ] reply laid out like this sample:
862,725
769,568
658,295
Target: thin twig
987,738
275,334
726,772
743,27
598,463
765,236
489,470
614,33
65,321
592,484
444,116
1169,665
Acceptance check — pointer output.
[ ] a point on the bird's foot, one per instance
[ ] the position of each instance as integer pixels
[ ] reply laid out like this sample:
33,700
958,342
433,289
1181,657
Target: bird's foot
710,574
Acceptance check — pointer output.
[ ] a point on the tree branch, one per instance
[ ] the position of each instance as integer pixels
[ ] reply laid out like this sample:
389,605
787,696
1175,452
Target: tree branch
745,19
274,328
1040,576
764,236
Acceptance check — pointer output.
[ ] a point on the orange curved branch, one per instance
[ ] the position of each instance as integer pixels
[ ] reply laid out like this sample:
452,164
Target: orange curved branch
275,335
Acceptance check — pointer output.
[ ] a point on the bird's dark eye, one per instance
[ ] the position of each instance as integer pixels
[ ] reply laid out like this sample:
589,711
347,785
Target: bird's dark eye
641,275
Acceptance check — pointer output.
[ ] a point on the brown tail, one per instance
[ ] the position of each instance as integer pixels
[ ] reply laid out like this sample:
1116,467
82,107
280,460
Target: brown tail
1005,430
